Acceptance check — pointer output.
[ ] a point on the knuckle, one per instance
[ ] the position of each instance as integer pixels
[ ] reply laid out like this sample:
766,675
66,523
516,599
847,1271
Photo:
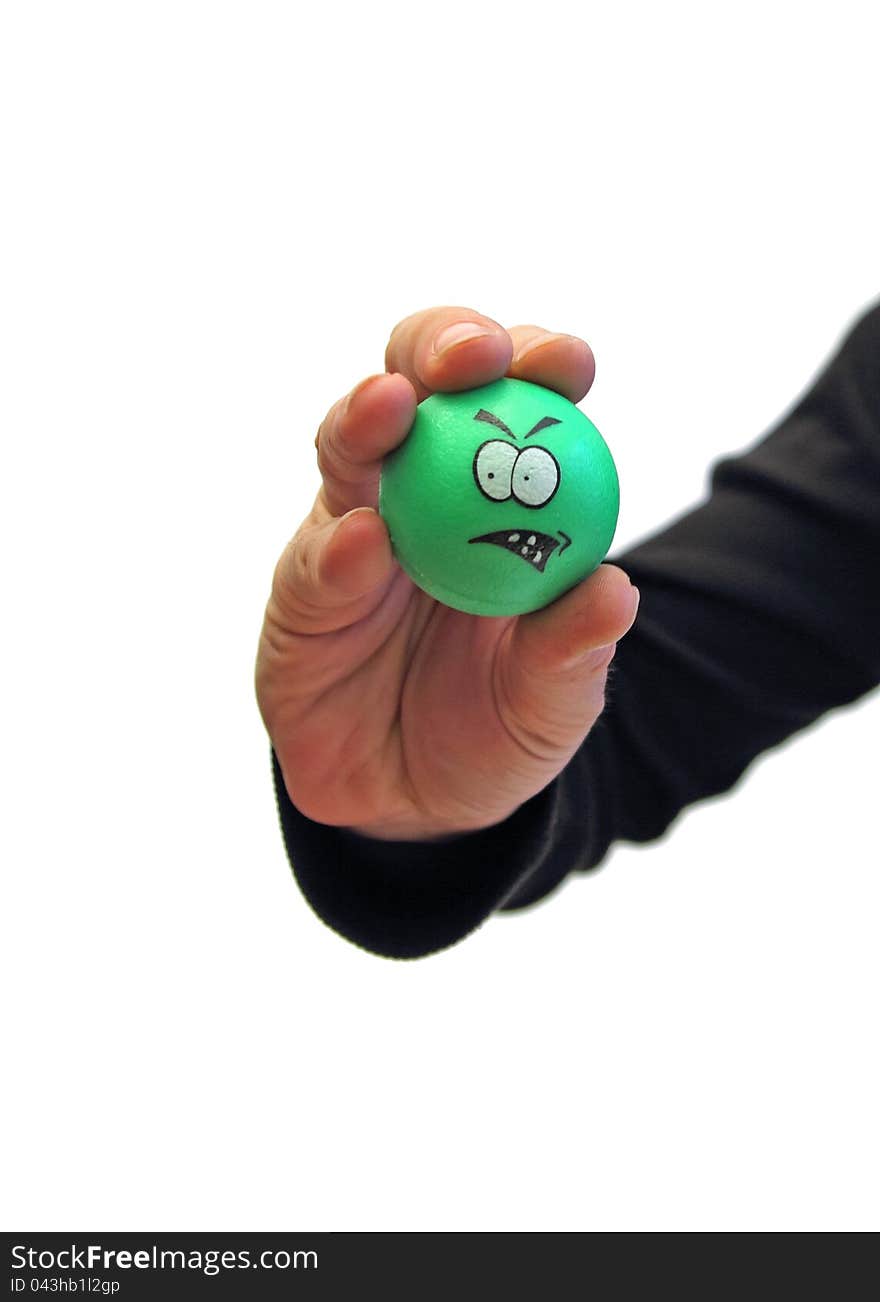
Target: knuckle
411,327
332,442
398,334
295,573
331,456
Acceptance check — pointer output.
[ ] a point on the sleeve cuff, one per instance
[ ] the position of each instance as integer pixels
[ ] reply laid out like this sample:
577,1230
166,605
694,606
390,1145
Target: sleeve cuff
408,899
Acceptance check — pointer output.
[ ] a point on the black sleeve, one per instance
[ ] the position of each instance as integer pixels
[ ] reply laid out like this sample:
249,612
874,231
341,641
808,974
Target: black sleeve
760,611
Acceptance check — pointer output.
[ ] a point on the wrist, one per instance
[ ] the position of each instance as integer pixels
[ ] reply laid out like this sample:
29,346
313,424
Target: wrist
397,832
436,833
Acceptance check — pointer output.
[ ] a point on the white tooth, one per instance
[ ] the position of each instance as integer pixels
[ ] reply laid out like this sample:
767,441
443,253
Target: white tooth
514,537
524,550
532,540
537,556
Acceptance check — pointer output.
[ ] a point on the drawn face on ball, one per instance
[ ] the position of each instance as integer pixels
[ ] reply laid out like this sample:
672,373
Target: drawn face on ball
505,469
500,498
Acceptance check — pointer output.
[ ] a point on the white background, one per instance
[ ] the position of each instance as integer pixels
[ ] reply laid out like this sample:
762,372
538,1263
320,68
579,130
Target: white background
212,217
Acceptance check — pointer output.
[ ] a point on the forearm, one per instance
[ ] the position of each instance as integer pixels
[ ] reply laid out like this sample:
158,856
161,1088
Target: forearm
760,612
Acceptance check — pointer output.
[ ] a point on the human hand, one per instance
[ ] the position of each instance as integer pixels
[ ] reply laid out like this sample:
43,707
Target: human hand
390,713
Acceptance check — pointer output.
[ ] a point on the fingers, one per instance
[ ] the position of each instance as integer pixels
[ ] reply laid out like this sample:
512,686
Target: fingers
447,349
452,348
439,349
357,432
561,362
332,574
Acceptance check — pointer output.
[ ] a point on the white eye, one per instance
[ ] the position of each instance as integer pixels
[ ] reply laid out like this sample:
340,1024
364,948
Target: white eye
535,476
493,467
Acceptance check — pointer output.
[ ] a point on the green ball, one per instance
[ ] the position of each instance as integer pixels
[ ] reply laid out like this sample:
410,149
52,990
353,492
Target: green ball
500,498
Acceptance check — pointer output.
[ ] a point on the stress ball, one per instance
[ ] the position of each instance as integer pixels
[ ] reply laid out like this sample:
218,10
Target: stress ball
500,498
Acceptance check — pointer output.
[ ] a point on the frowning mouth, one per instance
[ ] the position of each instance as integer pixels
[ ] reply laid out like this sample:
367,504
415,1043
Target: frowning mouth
532,547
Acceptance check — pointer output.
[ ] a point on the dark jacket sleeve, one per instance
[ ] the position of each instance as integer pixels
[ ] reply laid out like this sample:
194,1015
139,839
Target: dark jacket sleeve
760,611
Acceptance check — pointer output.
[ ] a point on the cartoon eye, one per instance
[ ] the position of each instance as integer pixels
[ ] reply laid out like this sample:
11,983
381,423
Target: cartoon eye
493,467
535,476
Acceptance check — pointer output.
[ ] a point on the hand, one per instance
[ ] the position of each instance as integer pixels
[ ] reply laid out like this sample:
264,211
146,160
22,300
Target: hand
390,713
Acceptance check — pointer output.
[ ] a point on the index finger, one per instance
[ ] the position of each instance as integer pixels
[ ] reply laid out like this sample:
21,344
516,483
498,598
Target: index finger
445,349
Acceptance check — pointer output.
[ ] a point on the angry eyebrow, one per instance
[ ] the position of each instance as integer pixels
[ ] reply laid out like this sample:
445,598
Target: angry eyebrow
490,419
542,424
487,416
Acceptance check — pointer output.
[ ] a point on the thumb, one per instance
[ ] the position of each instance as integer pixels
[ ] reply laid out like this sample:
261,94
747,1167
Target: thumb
558,657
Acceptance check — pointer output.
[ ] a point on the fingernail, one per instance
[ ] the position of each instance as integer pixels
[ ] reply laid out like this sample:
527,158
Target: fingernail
458,334
359,389
595,658
531,345
636,599
600,656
